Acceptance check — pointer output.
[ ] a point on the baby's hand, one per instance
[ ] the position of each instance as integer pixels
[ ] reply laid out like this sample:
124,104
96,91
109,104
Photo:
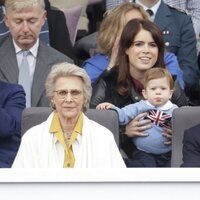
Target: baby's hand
104,106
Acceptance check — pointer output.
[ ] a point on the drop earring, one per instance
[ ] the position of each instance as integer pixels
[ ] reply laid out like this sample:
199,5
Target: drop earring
52,105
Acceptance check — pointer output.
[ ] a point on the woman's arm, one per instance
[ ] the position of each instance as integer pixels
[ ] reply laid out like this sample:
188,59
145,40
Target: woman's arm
179,97
99,93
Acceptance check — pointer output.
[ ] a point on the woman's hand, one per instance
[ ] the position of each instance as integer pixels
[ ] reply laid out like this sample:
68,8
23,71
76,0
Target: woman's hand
114,53
137,127
168,135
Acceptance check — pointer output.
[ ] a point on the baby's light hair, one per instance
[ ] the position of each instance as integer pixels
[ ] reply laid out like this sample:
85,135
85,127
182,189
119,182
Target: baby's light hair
156,73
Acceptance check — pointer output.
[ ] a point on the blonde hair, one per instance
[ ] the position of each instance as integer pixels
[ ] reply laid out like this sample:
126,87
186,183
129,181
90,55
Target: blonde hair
18,5
113,23
157,72
64,70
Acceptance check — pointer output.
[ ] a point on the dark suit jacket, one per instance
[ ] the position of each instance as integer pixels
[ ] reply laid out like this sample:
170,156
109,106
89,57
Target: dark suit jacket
58,33
9,72
12,103
191,147
179,35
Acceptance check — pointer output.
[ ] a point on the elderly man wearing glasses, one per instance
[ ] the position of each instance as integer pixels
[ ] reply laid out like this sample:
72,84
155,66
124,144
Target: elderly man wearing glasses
68,138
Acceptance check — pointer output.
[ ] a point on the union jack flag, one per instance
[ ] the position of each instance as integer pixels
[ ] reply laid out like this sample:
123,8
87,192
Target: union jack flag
159,118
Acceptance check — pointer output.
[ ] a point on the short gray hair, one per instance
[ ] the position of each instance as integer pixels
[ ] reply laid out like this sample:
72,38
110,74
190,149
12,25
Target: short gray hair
18,5
64,70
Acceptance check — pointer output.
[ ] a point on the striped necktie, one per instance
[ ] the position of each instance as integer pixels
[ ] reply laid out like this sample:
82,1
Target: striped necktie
24,78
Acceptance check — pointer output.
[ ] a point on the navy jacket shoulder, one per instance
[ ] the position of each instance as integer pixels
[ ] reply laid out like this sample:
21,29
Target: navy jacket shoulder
59,33
191,147
180,39
12,103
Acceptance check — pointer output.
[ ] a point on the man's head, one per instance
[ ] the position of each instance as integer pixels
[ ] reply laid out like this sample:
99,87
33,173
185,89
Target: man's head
25,18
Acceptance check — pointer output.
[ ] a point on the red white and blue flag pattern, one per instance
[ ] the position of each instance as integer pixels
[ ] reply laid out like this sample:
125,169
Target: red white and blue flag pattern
159,118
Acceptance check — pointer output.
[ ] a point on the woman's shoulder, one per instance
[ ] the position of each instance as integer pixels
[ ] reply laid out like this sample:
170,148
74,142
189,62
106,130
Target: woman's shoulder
107,82
111,75
97,59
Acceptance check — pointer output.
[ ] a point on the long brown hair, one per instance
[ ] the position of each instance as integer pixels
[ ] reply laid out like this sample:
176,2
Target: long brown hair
131,29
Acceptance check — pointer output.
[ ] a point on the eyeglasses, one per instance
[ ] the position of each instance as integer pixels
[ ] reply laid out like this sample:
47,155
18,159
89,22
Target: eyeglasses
62,94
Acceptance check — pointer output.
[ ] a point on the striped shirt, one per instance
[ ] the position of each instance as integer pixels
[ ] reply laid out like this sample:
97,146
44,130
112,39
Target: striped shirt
110,4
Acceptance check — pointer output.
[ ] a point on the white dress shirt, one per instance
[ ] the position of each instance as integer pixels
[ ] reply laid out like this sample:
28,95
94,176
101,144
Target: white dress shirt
153,8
